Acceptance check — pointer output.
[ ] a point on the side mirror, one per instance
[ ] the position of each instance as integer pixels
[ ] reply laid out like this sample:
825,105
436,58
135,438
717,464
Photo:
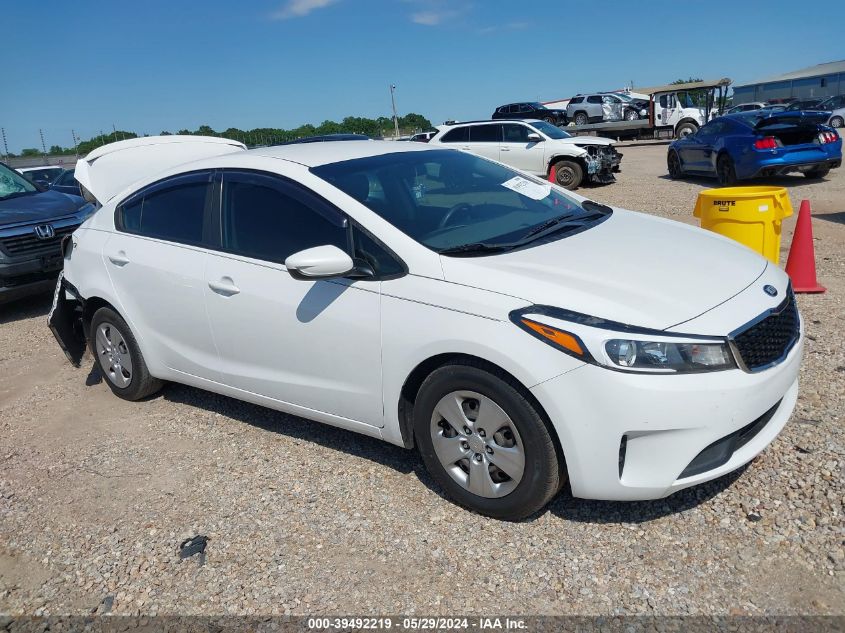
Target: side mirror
535,138
320,262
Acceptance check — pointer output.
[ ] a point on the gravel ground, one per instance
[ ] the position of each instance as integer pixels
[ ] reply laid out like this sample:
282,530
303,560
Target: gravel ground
96,494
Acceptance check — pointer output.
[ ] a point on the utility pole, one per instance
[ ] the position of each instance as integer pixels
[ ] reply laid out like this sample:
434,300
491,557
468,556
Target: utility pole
393,103
75,144
5,147
43,146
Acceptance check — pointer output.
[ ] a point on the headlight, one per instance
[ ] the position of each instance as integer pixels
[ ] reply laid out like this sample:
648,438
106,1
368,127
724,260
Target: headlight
643,112
622,347
669,357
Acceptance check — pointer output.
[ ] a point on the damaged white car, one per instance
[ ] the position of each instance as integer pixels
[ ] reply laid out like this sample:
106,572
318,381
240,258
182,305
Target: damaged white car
517,335
538,148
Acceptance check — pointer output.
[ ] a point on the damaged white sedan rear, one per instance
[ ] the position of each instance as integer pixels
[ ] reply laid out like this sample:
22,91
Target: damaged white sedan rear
434,299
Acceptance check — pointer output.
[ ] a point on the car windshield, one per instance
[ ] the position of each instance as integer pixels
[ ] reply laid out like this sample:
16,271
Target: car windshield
552,131
459,204
538,106
12,184
623,96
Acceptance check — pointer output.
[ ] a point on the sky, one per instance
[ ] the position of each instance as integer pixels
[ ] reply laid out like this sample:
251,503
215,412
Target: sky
154,65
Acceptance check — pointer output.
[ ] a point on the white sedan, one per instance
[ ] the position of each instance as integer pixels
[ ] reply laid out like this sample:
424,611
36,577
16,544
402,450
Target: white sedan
517,335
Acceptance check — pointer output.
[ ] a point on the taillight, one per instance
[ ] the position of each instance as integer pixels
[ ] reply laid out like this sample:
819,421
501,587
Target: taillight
769,142
828,137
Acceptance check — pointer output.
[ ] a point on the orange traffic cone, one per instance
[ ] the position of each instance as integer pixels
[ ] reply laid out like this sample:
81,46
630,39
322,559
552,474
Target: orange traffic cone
553,175
801,264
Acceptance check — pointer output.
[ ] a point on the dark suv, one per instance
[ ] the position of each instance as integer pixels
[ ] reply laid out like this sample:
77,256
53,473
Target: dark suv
530,110
33,221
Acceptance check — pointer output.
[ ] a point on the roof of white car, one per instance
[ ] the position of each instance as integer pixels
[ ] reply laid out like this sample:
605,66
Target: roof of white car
316,154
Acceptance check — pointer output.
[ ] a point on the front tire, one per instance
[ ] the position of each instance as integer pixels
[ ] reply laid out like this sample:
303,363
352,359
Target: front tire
631,115
119,357
837,122
568,174
485,443
725,170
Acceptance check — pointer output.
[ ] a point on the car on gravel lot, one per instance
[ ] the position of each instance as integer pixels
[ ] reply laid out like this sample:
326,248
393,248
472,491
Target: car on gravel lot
32,224
835,107
757,144
532,110
66,183
537,148
44,175
516,334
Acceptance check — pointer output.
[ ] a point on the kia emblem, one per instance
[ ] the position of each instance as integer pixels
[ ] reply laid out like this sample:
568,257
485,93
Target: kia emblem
770,290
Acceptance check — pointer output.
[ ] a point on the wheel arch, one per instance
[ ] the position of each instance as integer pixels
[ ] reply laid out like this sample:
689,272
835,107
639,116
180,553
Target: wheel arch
414,380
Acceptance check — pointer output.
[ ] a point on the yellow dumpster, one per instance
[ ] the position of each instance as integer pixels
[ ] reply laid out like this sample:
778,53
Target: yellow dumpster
749,215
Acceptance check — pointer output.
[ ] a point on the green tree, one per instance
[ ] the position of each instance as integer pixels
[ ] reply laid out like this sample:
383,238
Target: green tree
57,149
30,151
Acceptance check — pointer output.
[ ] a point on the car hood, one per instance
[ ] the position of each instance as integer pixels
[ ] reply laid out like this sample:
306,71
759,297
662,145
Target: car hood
585,140
631,268
38,207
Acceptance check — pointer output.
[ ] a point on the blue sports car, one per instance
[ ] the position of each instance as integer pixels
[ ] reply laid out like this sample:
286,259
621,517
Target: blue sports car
757,144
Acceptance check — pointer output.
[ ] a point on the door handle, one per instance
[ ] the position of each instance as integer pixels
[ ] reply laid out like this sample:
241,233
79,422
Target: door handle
504,149
119,259
225,287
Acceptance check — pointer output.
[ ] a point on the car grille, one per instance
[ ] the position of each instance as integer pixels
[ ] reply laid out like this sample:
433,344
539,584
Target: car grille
767,340
27,244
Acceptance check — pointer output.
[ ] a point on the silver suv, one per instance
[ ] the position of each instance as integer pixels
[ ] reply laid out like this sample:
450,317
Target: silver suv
602,106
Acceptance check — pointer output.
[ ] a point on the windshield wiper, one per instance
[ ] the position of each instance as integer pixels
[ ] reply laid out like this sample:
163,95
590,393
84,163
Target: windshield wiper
474,248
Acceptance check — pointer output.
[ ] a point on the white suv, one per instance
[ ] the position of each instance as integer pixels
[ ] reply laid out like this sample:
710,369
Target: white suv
538,148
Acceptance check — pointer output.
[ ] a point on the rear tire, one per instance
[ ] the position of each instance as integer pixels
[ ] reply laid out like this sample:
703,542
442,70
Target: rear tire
818,172
725,170
568,174
673,162
119,357
837,122
453,409
581,118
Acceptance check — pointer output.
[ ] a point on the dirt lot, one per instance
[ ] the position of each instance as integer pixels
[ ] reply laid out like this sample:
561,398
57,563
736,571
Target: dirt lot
97,493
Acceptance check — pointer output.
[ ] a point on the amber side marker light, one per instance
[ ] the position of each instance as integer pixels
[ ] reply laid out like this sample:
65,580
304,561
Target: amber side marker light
555,336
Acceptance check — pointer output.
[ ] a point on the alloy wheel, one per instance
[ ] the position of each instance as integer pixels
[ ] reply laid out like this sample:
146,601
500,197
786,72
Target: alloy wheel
477,443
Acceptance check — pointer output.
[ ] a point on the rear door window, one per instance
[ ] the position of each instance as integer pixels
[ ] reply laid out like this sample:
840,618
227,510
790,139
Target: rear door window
485,134
175,210
594,99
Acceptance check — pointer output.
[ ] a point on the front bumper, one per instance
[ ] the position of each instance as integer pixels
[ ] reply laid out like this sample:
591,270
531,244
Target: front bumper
20,278
630,436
